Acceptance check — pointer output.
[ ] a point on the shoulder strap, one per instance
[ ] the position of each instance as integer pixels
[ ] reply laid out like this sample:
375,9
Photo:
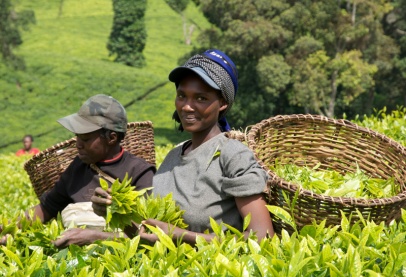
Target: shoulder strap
102,174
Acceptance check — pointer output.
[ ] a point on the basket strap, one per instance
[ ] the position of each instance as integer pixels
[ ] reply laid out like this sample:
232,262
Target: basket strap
101,173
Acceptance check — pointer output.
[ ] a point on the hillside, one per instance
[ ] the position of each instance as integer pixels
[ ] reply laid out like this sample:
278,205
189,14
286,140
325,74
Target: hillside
67,62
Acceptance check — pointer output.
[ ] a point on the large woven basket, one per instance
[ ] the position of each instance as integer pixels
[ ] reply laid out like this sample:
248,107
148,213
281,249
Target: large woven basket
45,168
307,140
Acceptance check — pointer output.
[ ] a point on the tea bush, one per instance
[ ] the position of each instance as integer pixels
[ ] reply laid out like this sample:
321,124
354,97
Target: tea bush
362,249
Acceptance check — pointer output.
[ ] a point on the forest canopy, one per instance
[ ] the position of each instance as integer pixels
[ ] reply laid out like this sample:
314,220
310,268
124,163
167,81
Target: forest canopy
325,57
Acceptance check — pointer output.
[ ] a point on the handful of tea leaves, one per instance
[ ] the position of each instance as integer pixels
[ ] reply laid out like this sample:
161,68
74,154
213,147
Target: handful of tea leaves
123,200
329,182
131,205
161,208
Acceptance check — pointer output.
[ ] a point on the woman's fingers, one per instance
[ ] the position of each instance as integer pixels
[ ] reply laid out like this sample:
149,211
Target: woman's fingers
99,192
100,200
149,237
3,240
168,229
133,229
76,236
142,231
150,221
99,210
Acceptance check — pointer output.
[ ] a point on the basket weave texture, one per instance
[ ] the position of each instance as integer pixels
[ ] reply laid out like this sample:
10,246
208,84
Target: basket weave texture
45,168
307,140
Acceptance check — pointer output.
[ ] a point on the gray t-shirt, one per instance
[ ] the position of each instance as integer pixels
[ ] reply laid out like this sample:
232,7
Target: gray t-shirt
205,184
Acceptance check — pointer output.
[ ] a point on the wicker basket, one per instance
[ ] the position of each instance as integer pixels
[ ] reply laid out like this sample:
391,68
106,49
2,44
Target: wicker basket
237,135
45,168
307,140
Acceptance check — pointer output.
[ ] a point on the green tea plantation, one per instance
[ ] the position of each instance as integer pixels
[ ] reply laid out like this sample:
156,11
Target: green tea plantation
361,249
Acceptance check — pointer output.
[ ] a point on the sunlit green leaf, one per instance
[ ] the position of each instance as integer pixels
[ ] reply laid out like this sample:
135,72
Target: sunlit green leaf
282,214
12,256
104,185
163,238
247,220
215,227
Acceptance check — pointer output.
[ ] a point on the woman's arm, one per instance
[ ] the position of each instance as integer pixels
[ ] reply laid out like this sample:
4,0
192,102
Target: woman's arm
39,212
260,223
82,237
176,232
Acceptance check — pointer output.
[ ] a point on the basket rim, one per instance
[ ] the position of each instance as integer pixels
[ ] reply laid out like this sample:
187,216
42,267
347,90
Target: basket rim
49,150
292,187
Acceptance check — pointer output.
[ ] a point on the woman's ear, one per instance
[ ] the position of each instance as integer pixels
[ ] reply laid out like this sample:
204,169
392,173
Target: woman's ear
223,104
112,140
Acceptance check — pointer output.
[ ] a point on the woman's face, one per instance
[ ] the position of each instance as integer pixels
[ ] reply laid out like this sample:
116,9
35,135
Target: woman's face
198,105
92,147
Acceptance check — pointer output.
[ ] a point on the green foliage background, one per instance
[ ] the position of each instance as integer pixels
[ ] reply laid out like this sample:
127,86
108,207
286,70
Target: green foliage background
67,62
391,124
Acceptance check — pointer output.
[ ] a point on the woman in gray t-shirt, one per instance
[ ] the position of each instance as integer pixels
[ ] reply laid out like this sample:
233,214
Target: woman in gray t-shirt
210,175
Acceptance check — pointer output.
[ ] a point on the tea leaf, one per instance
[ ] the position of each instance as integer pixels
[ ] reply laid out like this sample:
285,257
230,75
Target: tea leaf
163,238
216,154
12,256
247,221
282,214
215,227
123,195
329,182
104,185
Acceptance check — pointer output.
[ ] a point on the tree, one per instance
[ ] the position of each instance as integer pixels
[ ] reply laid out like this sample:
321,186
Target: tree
10,24
318,78
128,35
391,86
301,56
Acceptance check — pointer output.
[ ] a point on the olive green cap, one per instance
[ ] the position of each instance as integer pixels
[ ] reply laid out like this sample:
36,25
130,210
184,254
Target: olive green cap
99,111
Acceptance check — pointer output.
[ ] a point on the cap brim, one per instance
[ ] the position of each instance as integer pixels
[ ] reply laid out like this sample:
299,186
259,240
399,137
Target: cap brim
178,73
77,124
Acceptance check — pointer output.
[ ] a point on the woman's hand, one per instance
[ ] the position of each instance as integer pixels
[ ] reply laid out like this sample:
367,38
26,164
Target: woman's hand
78,236
168,229
132,230
100,200
3,239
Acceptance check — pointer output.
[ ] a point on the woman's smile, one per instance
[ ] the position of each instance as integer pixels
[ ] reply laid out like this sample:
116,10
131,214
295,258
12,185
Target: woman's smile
189,118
